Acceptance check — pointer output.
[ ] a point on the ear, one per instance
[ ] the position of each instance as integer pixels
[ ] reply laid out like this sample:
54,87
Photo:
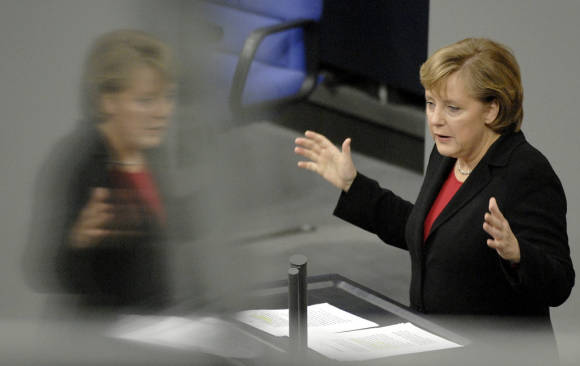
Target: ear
492,111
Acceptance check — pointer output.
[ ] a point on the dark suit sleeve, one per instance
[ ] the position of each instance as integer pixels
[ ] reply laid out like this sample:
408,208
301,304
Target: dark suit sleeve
376,210
537,217
51,217
73,267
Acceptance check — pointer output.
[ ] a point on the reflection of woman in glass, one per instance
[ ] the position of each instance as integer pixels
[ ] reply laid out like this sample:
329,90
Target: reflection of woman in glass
106,217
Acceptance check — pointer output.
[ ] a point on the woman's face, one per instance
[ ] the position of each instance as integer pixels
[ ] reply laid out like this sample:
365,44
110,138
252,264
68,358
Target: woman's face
139,115
458,122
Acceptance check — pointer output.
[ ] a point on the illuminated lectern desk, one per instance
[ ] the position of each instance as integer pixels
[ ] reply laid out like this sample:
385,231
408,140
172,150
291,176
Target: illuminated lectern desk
482,340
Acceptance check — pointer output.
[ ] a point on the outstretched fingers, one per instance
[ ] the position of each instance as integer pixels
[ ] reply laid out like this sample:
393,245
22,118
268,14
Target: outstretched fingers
346,146
307,143
326,159
314,147
308,165
502,238
307,153
494,223
318,138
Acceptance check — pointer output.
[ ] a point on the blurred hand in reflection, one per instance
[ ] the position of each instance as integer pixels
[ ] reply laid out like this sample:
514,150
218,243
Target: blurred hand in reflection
91,225
327,160
110,214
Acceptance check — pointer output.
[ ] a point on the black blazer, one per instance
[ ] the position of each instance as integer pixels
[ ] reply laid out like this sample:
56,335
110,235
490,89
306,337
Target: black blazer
119,273
454,271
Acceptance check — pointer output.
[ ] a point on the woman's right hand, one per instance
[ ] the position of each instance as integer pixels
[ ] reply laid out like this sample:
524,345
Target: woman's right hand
326,159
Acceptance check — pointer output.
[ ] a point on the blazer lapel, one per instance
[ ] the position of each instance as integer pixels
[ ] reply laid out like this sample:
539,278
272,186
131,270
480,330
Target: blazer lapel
437,171
477,180
498,154
435,182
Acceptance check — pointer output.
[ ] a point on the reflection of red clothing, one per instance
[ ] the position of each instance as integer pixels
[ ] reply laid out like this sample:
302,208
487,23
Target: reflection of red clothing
146,190
450,187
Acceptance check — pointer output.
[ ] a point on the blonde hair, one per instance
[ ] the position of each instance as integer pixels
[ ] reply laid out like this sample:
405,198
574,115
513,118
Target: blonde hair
490,71
112,59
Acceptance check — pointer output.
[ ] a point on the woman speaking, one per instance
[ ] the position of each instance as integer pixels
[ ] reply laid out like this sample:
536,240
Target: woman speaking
487,233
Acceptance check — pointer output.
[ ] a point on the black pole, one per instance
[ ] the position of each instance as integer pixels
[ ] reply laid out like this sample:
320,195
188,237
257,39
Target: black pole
293,320
299,262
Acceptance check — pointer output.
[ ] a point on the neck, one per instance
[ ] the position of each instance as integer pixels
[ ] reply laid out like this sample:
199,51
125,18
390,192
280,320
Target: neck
123,155
466,164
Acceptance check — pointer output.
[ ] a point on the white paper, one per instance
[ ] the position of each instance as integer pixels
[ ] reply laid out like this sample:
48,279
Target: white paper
375,343
321,318
206,334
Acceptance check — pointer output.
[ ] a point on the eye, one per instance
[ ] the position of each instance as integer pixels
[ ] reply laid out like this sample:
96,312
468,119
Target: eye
145,100
453,108
170,97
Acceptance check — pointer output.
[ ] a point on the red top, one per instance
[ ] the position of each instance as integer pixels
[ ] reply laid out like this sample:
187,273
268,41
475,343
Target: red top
450,187
145,187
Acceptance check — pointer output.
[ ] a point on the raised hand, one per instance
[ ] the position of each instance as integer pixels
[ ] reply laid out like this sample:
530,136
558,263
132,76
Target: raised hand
108,214
326,159
503,239
91,224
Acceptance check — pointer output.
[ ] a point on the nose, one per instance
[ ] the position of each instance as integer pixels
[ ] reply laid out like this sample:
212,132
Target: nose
164,108
435,116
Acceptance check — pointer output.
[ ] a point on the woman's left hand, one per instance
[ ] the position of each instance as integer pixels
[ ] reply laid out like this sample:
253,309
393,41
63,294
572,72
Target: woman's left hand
503,239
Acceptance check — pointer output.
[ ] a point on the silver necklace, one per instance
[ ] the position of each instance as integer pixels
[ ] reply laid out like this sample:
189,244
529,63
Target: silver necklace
464,172
123,163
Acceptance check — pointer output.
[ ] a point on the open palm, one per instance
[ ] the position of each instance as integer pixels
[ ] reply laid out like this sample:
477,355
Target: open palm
327,160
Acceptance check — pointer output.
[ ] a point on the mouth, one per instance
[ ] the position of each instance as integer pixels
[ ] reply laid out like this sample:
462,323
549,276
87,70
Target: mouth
441,137
155,129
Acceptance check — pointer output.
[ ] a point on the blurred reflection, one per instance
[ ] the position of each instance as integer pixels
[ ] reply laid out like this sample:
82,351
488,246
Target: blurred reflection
103,214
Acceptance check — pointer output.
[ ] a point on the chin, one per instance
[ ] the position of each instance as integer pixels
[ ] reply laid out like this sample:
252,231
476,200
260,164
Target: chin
150,142
445,150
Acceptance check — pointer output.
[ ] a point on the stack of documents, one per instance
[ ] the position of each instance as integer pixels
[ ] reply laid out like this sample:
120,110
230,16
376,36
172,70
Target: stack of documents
343,336
321,318
205,334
